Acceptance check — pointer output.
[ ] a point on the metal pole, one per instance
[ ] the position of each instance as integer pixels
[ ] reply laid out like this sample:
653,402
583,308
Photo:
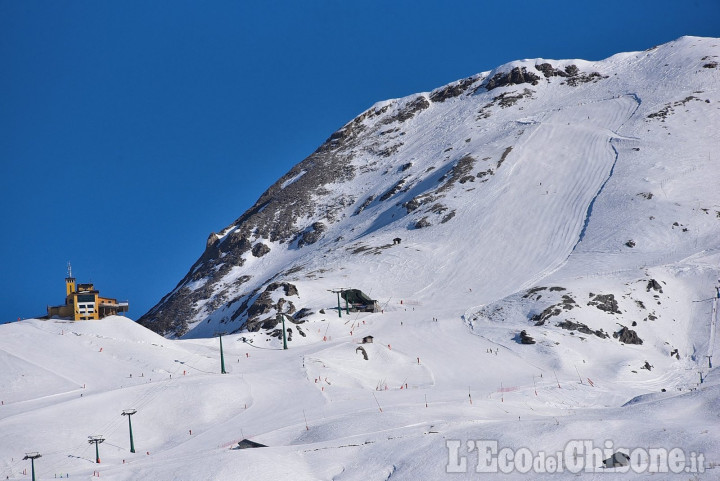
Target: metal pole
132,443
32,457
347,310
97,440
129,413
284,337
222,358
339,308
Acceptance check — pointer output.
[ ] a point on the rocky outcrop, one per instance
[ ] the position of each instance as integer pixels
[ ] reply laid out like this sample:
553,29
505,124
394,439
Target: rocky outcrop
458,173
654,285
516,76
261,314
523,338
567,303
580,327
393,190
412,108
455,89
627,336
260,249
274,218
604,302
311,235
422,223
549,71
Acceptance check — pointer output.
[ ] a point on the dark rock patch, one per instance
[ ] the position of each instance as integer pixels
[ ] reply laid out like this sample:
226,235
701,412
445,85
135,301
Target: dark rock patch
393,190
387,151
312,234
260,249
412,108
523,338
654,285
516,76
453,90
604,302
257,306
627,336
504,156
508,99
302,313
668,109
548,70
405,167
447,217
567,303
366,203
484,173
437,208
575,80
532,291
547,313
467,178
580,327
460,170
422,223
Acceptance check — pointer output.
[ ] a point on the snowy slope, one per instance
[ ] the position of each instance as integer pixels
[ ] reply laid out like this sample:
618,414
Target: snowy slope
576,201
490,189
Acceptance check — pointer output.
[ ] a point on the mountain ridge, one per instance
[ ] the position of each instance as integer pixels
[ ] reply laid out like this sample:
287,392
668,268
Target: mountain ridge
409,164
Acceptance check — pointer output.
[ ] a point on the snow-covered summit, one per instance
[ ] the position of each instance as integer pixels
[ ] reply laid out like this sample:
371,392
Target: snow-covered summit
493,182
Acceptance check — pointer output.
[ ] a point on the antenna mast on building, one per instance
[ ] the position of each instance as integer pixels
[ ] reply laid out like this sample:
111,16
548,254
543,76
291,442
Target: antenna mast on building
69,269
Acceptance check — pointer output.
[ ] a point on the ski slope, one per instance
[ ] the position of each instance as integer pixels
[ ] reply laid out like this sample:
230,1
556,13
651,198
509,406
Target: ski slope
587,216
268,396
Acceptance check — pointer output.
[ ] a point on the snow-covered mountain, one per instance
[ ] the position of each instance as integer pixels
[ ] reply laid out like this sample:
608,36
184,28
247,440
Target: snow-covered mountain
494,183
554,284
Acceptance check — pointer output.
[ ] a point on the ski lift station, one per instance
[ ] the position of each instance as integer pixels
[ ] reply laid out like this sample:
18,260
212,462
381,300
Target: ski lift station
83,302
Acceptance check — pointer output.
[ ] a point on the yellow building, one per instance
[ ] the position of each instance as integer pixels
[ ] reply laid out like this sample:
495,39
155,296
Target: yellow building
83,302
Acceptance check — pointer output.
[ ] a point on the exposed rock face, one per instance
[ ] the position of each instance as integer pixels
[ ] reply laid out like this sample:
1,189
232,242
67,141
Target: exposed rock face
516,76
260,249
422,223
257,312
549,71
605,302
566,304
274,217
525,339
627,336
453,90
393,190
580,327
417,105
312,234
654,285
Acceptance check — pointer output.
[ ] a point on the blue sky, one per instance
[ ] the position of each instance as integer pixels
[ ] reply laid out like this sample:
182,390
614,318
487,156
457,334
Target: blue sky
130,130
